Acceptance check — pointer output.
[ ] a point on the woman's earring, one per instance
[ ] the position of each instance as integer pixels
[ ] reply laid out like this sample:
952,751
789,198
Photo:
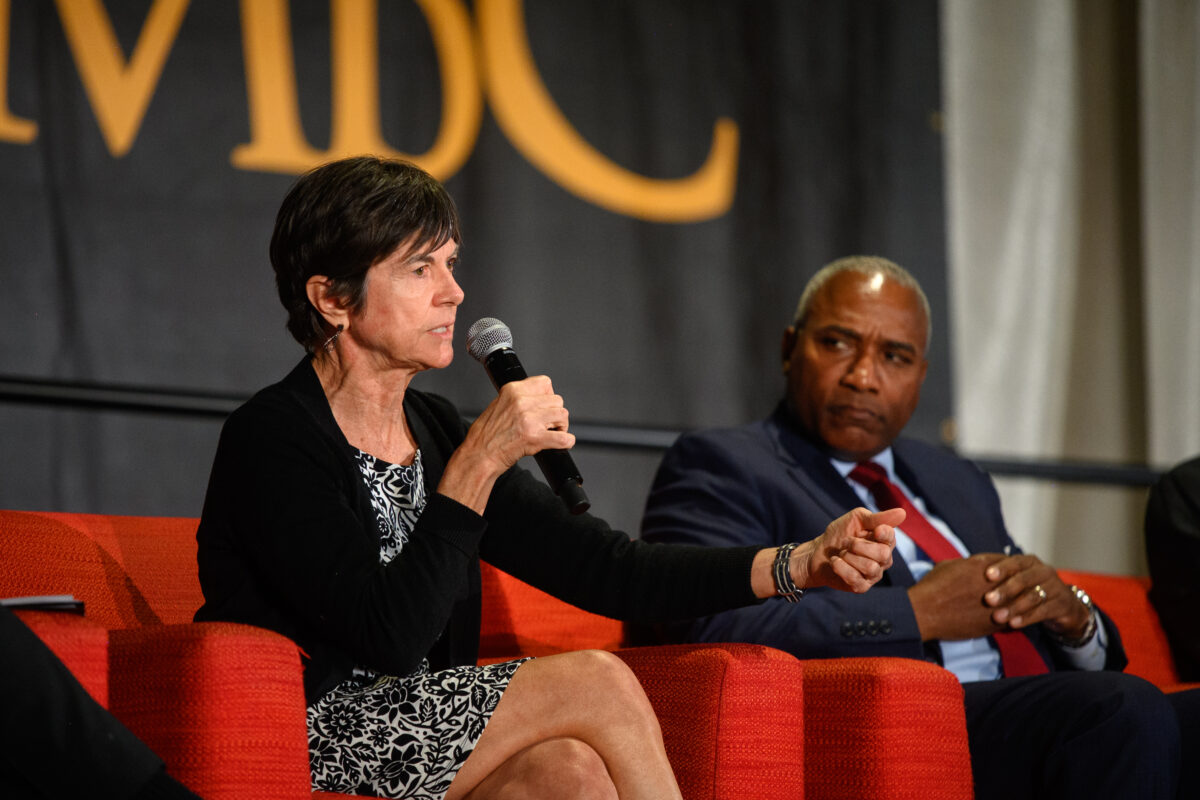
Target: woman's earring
328,346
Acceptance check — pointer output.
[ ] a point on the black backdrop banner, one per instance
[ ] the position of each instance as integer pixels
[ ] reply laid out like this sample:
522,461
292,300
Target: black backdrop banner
645,187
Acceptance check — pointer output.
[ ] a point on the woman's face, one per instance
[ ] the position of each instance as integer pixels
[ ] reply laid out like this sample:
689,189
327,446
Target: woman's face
407,320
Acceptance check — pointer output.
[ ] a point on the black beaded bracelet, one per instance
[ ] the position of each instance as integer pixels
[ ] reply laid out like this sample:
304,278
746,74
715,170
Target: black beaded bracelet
784,585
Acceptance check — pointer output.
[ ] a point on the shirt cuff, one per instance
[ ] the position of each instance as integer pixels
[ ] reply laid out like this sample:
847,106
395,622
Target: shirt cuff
1092,655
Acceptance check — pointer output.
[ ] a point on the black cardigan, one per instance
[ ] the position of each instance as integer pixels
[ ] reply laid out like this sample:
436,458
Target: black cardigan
288,541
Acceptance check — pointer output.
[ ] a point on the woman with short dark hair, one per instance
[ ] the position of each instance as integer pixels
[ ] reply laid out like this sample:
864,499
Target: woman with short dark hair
350,512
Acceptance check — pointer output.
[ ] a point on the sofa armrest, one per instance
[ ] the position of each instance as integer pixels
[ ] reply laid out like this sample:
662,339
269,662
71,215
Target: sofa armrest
222,704
82,646
731,717
884,728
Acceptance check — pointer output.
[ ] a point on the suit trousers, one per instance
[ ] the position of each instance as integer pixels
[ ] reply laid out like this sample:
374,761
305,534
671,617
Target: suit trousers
1072,735
1187,710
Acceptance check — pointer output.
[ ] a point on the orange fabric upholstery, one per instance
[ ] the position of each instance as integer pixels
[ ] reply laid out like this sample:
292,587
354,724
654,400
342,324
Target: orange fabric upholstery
747,721
1125,599
731,715
520,620
222,704
884,728
128,571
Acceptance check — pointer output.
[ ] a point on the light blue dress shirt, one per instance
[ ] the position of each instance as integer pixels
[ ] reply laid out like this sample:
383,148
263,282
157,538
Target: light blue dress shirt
968,659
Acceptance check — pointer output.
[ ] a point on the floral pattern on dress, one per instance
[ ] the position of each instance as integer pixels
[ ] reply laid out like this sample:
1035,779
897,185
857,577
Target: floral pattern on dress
398,497
404,736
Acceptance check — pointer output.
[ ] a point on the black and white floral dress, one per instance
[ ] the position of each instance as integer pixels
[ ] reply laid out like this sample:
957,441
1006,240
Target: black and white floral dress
403,737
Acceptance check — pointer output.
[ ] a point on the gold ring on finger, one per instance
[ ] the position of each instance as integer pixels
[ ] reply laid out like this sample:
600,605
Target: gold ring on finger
1041,593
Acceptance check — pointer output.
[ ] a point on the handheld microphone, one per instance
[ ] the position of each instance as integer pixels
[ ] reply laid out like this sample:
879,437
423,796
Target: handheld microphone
489,341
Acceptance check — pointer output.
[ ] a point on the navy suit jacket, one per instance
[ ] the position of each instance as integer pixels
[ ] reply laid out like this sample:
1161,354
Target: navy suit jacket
765,484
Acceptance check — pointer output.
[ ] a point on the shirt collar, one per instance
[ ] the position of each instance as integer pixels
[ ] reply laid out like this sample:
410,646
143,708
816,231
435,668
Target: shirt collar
884,459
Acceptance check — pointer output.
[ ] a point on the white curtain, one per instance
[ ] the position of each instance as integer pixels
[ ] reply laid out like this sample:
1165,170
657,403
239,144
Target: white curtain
1072,189
1170,40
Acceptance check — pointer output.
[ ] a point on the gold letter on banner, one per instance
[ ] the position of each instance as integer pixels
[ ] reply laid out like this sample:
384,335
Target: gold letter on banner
535,125
277,139
119,92
12,128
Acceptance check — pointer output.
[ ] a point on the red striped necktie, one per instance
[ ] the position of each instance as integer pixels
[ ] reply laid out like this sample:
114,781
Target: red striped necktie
1018,656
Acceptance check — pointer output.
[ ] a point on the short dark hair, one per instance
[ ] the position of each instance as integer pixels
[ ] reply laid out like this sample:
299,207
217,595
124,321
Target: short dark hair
341,218
864,265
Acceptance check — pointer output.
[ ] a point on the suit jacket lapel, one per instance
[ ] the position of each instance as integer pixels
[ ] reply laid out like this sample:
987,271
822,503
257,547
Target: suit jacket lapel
813,475
943,495
810,469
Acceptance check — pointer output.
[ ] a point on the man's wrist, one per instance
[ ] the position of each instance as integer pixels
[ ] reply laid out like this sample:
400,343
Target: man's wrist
1089,628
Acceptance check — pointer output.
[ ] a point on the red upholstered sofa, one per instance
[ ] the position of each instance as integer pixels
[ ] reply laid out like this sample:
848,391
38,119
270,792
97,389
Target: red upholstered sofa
223,704
871,728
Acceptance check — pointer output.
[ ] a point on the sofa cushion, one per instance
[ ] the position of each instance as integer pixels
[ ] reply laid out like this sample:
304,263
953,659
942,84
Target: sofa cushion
520,620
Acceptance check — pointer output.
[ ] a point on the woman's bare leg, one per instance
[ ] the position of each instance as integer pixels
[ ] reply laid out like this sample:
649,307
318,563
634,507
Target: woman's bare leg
555,768
589,696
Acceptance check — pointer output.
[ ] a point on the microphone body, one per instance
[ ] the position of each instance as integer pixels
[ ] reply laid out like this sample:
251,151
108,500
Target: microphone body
489,342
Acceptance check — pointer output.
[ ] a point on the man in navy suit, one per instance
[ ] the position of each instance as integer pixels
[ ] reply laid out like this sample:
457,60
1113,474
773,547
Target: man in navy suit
1049,714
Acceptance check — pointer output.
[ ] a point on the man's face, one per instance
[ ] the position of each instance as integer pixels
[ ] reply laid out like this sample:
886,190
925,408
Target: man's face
854,371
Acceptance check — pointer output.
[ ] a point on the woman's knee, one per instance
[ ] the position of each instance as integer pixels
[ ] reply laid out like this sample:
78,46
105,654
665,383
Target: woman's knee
609,681
585,694
565,767
602,669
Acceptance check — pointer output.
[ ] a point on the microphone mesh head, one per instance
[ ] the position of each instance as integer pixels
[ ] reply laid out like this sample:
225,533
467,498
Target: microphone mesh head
486,335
